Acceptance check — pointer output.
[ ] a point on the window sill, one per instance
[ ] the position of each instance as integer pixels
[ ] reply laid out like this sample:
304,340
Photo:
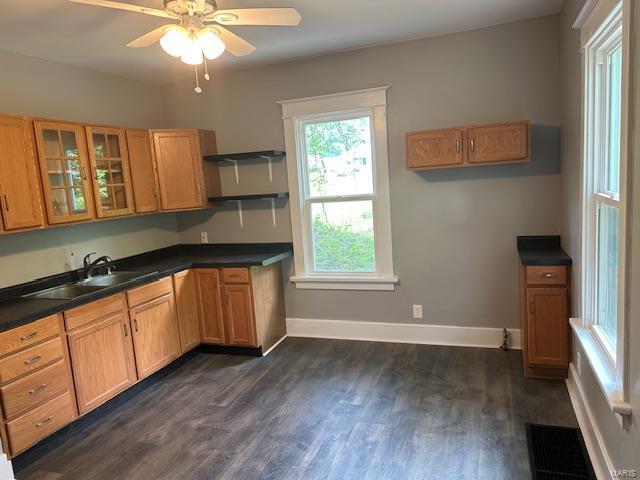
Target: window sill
604,372
345,283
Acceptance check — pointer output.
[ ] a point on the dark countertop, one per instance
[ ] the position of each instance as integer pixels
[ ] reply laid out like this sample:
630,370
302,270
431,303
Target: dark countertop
16,310
542,250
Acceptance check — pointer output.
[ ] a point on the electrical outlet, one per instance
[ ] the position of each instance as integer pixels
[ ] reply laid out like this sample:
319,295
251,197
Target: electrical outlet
579,363
204,237
417,311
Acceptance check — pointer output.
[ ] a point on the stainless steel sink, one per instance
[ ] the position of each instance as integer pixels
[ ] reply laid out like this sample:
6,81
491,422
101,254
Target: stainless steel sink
66,292
110,279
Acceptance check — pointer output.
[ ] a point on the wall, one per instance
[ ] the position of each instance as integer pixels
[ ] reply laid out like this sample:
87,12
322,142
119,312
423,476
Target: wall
36,87
621,444
453,231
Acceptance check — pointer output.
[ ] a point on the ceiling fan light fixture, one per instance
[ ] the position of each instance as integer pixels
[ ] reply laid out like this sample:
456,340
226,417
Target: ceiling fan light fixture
175,41
192,53
210,43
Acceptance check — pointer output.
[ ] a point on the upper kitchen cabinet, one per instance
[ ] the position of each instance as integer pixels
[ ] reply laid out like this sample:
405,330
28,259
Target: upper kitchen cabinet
110,171
143,172
185,181
19,183
435,148
64,168
500,142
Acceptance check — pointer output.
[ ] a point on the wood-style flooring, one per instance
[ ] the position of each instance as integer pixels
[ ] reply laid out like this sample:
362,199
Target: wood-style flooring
316,409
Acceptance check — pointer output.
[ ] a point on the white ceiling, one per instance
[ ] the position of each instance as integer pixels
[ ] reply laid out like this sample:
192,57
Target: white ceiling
94,37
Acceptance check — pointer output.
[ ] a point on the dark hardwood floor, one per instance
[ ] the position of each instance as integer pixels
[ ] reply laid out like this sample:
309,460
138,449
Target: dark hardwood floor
321,409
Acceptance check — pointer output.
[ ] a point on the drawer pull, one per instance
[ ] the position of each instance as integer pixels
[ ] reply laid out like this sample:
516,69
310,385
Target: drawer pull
135,324
32,360
548,275
28,336
457,146
44,422
37,389
532,307
126,330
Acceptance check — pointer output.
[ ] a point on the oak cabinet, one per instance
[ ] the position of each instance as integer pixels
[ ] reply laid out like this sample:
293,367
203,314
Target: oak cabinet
506,142
435,148
155,334
210,305
238,315
143,172
184,180
64,166
545,321
469,146
20,196
184,286
102,359
110,171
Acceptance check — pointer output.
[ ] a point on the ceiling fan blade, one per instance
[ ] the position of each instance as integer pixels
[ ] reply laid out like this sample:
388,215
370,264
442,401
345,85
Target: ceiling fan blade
257,16
235,45
148,38
126,6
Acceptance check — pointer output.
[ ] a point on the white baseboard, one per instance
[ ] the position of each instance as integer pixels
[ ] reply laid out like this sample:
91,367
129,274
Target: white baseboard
600,458
401,333
264,354
6,471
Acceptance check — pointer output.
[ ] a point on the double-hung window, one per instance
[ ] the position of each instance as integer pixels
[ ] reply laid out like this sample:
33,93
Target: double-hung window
601,331
339,189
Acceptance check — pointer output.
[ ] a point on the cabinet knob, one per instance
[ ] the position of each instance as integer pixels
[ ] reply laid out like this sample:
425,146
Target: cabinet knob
472,145
548,275
6,202
135,324
532,307
457,146
126,330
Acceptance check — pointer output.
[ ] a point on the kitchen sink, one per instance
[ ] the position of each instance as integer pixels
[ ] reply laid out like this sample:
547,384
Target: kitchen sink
66,292
109,279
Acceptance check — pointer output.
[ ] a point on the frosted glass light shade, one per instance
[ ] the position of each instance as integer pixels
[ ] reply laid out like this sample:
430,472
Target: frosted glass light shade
210,43
192,54
175,41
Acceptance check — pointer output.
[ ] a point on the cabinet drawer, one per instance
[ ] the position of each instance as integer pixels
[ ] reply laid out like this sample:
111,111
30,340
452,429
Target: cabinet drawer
93,311
546,275
35,357
235,275
33,426
148,292
28,334
33,389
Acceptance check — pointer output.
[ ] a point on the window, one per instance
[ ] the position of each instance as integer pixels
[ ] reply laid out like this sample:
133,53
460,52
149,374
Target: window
604,38
339,189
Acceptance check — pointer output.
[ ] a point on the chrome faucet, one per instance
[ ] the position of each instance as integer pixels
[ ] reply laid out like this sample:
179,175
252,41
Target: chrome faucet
89,265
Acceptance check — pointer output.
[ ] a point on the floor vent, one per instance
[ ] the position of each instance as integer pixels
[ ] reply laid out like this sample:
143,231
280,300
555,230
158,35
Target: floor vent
558,453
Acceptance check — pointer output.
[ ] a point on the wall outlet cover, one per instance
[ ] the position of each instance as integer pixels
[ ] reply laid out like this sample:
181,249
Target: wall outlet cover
204,237
417,311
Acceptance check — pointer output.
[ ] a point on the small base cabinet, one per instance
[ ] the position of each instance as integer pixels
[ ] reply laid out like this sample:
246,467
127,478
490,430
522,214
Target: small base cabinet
186,293
36,387
545,306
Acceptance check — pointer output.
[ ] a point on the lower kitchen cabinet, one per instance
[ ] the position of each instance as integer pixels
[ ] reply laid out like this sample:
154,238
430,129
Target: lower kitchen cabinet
155,334
238,315
210,305
102,359
186,293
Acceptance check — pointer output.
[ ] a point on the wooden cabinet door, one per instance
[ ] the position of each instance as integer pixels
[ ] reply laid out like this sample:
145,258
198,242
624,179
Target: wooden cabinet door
143,172
19,180
184,286
548,326
434,148
179,166
102,360
64,165
505,142
239,318
210,305
156,340
110,171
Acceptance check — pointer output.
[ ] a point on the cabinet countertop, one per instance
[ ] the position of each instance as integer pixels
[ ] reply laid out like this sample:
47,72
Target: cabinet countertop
17,310
542,250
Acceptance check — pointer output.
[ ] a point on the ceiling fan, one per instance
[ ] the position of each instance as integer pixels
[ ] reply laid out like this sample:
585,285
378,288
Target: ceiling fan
198,33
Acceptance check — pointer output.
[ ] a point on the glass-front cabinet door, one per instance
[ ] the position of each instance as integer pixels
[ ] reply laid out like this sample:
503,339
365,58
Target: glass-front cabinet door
110,171
64,166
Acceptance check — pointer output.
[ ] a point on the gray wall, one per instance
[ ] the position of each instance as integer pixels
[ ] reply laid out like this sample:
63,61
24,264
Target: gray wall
453,231
621,444
36,87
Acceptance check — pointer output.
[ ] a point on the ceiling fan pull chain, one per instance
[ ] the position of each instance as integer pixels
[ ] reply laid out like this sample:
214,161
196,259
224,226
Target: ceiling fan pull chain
206,70
197,89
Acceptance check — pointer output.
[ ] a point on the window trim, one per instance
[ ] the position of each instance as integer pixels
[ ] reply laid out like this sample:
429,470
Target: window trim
297,113
605,23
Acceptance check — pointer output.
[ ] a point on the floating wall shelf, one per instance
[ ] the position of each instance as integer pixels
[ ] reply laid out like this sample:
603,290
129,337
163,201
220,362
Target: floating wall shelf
271,197
268,155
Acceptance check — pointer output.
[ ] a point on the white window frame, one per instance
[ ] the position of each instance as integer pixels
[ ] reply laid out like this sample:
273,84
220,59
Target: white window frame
603,24
341,106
